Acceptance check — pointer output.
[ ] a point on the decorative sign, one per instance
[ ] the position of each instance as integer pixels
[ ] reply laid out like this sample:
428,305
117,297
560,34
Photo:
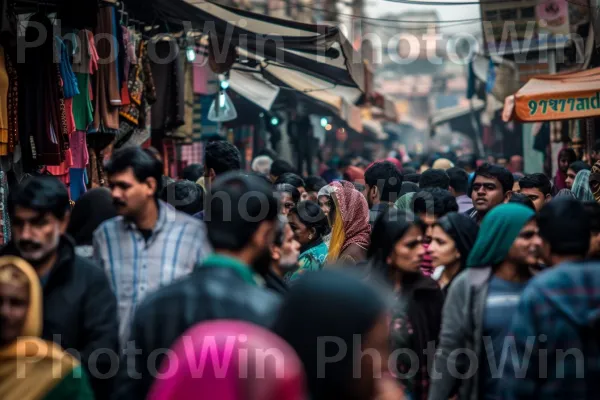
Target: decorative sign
559,107
553,16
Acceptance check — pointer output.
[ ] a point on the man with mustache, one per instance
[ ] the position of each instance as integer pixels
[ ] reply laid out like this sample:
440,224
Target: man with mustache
284,255
79,306
149,244
241,218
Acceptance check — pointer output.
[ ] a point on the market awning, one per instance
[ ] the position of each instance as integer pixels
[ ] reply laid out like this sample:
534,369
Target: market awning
448,114
557,97
321,50
254,88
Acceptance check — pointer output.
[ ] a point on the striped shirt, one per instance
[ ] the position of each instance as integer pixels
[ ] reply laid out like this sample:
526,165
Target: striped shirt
136,267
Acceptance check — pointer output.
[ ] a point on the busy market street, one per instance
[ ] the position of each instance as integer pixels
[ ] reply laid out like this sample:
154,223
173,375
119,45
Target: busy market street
299,200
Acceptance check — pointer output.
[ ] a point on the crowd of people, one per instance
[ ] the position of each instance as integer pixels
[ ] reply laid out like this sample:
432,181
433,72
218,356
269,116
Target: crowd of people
372,281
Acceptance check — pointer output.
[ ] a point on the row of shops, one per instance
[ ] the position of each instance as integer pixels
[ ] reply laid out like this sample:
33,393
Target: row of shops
171,75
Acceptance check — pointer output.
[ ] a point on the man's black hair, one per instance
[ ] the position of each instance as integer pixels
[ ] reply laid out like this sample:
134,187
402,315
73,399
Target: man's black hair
592,210
578,166
235,208
459,180
520,198
345,162
287,188
563,223
387,178
43,194
280,167
503,175
222,157
290,179
192,172
536,181
185,196
314,183
142,162
408,170
434,178
414,178
436,200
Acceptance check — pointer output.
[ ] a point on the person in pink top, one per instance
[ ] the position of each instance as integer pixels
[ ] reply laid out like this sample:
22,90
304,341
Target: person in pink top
230,360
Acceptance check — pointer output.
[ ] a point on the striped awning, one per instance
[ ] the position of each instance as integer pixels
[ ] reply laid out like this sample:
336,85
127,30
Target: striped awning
321,50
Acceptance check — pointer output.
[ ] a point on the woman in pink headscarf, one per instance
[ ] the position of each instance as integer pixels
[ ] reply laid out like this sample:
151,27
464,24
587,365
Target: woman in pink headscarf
230,360
351,231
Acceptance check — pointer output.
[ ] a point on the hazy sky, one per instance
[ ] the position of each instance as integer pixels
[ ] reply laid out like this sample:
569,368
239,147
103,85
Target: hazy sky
377,8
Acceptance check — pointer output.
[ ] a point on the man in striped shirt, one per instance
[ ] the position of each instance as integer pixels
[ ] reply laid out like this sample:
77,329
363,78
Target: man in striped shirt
149,244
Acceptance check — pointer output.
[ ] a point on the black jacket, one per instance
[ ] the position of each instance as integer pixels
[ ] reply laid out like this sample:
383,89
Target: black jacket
80,312
208,293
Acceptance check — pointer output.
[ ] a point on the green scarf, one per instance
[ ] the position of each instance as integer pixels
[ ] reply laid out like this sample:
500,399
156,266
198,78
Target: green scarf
497,233
404,203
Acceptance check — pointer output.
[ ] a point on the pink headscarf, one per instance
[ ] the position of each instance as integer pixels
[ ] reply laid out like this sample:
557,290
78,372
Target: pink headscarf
355,214
207,362
355,174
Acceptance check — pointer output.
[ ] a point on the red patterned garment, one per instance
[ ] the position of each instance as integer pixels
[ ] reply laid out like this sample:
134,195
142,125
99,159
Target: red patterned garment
355,214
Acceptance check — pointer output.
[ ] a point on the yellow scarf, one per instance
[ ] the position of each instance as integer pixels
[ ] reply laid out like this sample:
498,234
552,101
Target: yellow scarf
30,367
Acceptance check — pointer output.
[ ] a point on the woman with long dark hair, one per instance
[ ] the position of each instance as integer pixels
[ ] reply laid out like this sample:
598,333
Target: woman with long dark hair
309,225
396,253
452,240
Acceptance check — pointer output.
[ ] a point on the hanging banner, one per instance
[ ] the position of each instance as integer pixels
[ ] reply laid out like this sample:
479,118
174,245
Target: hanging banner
553,16
559,97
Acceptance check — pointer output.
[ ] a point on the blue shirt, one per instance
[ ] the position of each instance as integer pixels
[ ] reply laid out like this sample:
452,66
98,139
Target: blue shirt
500,306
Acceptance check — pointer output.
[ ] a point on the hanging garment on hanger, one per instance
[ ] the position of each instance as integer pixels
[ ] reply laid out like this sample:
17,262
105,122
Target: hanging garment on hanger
42,118
107,96
4,89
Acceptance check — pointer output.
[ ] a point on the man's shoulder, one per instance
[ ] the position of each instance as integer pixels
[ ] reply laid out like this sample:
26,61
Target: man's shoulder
178,217
88,269
110,225
205,285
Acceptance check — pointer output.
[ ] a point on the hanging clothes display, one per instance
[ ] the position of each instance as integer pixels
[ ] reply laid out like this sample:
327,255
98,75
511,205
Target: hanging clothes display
167,71
107,96
42,116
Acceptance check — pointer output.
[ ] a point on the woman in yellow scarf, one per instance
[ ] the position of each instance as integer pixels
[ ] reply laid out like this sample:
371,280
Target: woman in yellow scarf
31,368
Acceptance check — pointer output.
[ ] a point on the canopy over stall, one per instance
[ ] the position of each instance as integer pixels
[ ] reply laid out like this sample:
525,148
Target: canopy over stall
321,50
556,97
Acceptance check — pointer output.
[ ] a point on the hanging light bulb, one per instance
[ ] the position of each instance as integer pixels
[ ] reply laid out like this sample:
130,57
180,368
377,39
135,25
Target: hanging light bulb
190,54
222,108
274,121
324,122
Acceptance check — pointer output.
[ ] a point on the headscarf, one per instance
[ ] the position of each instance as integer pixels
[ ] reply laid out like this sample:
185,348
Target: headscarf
595,177
91,210
189,374
333,304
355,174
42,375
581,186
442,163
497,233
353,211
561,177
515,165
564,193
463,230
404,203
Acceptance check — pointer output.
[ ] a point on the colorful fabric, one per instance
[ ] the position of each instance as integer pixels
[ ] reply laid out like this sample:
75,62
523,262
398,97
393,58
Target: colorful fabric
355,214
137,267
561,306
595,178
311,260
83,111
404,203
499,229
427,263
23,373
